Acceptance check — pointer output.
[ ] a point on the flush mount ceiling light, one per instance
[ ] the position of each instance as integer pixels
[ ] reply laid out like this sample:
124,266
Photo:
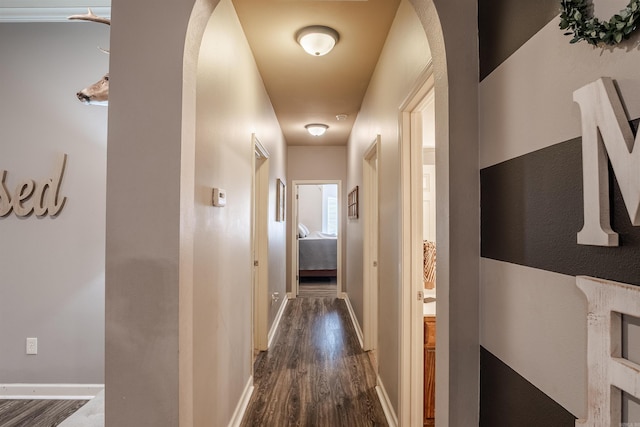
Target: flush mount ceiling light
317,40
316,129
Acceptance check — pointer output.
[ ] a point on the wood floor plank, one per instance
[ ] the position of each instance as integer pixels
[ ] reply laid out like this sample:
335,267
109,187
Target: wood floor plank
318,287
36,413
315,373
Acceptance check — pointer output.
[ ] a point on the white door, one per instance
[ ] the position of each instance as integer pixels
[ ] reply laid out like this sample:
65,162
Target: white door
260,246
371,247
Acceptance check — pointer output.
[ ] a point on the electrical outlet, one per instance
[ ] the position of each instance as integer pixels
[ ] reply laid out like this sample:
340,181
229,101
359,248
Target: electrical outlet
32,345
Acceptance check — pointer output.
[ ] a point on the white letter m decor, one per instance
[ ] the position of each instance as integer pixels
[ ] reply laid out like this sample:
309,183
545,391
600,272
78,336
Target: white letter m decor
606,130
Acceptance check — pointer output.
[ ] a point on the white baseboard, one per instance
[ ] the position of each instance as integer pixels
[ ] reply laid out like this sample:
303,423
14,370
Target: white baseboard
241,408
354,319
276,322
387,407
50,391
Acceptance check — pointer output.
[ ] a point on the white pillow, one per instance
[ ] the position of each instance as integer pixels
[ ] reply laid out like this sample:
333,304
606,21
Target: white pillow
306,230
303,231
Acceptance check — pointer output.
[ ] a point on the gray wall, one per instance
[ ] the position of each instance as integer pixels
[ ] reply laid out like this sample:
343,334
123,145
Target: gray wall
185,355
52,280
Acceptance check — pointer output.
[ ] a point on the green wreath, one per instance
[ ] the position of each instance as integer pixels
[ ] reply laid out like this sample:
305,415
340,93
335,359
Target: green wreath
576,18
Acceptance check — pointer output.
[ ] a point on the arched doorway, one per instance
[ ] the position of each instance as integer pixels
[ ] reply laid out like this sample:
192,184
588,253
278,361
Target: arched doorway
151,189
455,66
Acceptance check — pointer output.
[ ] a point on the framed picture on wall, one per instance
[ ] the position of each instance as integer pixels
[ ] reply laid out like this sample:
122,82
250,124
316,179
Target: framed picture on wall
352,203
281,192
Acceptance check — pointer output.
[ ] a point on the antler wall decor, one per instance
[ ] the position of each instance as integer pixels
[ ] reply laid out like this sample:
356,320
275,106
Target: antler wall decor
97,93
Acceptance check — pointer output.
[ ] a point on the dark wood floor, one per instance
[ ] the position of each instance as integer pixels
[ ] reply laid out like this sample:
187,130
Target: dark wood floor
36,413
315,373
317,287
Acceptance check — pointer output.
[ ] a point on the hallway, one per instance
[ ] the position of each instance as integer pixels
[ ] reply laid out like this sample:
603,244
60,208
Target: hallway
315,373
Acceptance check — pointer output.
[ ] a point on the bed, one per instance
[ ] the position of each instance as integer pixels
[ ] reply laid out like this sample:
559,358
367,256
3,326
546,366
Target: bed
317,254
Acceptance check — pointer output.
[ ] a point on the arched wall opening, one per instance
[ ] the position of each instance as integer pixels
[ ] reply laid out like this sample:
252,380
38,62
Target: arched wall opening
151,319
455,71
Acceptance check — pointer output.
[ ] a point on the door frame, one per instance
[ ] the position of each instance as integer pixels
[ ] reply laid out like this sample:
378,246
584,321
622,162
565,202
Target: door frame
412,319
260,244
371,242
295,280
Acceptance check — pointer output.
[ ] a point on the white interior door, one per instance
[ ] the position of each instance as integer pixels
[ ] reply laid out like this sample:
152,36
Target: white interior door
371,247
295,250
260,246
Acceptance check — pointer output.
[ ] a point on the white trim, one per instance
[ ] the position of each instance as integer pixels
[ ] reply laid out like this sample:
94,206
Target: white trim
354,319
50,391
411,382
389,413
295,279
260,243
276,321
241,408
47,14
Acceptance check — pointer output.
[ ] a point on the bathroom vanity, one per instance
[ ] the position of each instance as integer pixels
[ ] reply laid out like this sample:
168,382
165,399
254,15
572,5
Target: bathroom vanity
429,312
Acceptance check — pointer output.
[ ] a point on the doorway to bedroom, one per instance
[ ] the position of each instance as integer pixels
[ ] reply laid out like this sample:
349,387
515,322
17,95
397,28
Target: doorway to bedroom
316,255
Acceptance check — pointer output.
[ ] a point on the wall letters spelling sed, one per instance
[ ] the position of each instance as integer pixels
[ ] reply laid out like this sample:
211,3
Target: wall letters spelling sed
33,197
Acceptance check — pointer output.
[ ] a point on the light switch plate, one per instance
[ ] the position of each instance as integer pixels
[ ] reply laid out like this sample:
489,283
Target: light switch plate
32,345
219,197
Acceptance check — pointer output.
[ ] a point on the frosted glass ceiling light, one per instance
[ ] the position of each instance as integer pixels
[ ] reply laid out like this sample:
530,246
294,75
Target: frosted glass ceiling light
316,129
317,40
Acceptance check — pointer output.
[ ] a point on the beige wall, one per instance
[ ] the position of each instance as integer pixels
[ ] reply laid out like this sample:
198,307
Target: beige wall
310,206
317,164
404,56
230,107
52,269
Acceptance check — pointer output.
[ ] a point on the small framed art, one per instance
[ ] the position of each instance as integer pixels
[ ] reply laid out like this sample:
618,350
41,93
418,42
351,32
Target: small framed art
281,197
352,203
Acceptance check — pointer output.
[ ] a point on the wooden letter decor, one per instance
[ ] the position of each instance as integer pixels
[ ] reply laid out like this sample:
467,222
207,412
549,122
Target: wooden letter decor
31,197
606,133
607,371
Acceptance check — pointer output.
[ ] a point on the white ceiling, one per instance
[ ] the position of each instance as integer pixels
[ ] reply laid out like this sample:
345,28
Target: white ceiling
303,89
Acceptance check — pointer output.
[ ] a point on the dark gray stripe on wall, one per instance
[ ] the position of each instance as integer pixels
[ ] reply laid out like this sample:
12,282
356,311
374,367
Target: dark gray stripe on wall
532,209
505,25
508,400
